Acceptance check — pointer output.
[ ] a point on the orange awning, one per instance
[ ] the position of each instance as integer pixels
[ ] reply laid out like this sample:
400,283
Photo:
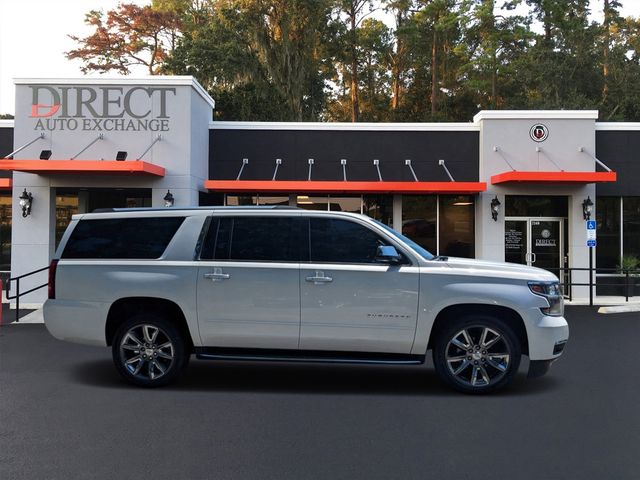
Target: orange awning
313,186
5,183
553,177
80,167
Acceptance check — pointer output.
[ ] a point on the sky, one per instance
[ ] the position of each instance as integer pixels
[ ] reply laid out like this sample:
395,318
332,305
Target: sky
33,38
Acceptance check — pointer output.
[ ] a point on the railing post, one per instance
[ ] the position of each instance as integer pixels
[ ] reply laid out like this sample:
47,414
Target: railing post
626,273
17,300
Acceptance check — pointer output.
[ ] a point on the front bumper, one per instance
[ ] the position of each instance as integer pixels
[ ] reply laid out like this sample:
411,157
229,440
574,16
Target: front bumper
546,334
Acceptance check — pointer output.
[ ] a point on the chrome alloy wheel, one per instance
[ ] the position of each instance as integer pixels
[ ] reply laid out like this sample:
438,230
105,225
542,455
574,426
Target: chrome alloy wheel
147,352
477,356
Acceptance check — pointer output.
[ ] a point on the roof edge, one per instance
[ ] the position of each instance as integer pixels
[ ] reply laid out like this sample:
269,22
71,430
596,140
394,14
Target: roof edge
426,126
535,114
122,80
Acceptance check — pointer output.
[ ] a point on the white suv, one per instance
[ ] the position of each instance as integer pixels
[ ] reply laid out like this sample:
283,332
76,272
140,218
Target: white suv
279,283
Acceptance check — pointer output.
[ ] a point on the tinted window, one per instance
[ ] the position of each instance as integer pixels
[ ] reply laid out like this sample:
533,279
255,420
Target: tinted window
121,237
342,241
261,239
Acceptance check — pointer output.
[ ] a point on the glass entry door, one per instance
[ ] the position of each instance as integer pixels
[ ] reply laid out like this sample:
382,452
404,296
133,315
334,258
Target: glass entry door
537,242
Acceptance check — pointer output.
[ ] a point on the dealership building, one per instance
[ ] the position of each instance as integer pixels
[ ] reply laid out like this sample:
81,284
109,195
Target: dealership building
508,185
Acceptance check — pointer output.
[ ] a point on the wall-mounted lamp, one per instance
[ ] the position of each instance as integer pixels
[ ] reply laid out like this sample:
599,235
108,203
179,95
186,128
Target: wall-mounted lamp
587,208
26,199
495,208
168,199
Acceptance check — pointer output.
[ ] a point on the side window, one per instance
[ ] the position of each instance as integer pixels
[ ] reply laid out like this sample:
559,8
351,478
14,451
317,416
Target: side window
135,238
258,239
342,241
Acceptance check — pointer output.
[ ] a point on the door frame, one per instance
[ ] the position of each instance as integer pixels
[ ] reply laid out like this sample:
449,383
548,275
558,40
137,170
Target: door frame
563,257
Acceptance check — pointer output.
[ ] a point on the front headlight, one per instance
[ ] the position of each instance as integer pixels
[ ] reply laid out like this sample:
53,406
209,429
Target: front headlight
551,292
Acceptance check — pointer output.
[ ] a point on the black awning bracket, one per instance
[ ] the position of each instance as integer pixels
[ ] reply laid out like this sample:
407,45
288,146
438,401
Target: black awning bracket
245,161
407,162
441,163
157,139
98,138
275,172
584,150
19,149
376,162
498,150
544,152
310,167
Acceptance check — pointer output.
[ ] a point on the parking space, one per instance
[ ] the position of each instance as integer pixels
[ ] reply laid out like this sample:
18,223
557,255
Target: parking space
65,413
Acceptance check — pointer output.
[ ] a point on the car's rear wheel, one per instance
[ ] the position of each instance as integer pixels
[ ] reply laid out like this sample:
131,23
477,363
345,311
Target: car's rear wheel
149,351
477,354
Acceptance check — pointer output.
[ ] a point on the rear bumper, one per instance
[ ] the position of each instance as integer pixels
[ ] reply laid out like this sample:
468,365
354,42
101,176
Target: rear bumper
78,322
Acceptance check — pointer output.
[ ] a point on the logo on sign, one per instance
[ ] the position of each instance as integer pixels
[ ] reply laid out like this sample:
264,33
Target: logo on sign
539,132
108,108
545,233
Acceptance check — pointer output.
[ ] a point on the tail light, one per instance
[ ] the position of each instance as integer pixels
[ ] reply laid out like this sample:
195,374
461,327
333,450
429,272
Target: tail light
52,278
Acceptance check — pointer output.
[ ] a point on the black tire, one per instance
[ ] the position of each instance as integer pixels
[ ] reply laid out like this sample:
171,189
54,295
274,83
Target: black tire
150,365
484,360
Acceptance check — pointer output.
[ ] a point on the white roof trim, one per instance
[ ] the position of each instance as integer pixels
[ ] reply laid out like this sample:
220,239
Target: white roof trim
612,126
535,114
405,127
168,80
6,123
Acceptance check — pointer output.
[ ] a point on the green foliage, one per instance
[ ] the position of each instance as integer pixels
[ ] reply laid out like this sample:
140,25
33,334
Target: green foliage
335,60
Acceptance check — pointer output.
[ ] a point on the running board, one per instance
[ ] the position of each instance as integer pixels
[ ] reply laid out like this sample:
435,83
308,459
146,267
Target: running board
307,356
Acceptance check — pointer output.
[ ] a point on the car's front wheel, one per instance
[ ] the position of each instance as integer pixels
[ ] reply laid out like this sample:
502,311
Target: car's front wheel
477,354
149,351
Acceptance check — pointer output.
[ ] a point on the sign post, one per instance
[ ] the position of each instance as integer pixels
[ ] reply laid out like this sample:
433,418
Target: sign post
591,242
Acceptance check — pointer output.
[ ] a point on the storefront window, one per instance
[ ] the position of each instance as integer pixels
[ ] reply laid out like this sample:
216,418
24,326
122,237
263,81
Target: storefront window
239,200
457,230
5,232
535,206
266,200
379,207
419,220
608,217
66,206
631,226
313,203
345,204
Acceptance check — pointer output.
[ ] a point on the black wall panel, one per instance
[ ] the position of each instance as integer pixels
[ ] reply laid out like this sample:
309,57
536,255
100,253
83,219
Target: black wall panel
620,151
6,147
227,148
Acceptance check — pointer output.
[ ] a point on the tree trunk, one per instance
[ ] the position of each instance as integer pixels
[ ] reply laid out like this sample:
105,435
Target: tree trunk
434,73
607,40
355,106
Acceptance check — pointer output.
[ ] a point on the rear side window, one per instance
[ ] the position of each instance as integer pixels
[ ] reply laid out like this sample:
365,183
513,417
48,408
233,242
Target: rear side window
341,241
139,238
258,239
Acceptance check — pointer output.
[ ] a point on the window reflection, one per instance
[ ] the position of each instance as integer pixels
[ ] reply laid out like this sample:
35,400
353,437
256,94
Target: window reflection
457,232
419,220
313,203
379,207
352,204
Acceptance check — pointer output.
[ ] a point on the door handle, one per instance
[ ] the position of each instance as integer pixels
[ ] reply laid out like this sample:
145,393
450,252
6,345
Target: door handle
319,277
216,275
533,257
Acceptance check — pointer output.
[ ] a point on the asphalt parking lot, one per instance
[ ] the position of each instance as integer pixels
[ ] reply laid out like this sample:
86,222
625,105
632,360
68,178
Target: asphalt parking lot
65,413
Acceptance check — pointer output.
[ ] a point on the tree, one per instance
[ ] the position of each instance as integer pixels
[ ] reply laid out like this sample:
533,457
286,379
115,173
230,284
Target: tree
130,35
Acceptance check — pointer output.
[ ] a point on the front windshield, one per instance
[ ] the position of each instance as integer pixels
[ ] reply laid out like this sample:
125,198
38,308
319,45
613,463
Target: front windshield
423,252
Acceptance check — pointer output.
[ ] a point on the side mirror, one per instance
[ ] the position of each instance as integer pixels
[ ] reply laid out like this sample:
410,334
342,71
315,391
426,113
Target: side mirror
388,254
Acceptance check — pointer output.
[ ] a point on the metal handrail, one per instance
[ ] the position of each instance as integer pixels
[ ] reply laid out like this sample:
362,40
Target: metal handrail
568,282
18,292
